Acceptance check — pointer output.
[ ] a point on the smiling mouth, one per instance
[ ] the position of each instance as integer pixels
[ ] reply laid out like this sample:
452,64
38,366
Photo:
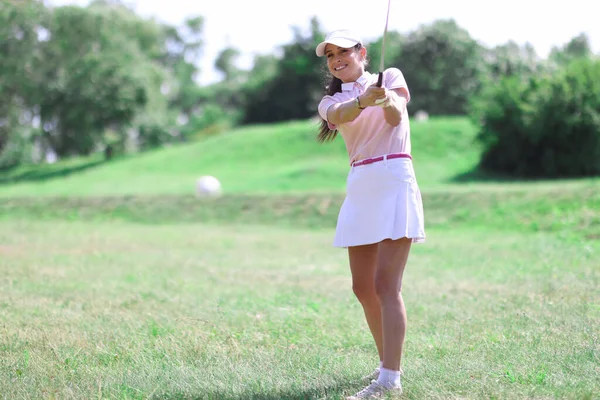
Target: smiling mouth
341,67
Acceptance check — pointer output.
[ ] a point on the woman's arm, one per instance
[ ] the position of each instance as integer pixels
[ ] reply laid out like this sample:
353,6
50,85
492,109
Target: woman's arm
340,113
396,104
349,110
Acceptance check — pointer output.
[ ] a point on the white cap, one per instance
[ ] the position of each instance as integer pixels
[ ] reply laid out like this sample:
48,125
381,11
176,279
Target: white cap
343,38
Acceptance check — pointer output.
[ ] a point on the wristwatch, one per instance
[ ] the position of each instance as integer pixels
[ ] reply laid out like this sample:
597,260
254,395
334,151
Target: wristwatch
357,101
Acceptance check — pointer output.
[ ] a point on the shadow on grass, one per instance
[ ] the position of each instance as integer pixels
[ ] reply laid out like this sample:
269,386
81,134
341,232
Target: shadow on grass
41,174
333,392
479,175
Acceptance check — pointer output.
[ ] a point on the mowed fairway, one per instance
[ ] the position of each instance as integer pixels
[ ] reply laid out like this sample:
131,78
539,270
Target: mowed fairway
116,282
194,311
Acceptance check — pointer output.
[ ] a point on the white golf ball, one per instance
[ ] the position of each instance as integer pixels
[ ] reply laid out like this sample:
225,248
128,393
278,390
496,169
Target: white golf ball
208,186
421,116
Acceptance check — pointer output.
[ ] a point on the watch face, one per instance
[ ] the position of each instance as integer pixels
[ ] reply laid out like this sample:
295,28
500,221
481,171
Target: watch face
357,101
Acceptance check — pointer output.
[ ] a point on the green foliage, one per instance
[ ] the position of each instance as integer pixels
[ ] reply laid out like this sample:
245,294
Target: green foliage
219,107
443,67
295,90
211,120
578,47
394,42
87,93
510,59
263,70
83,78
152,135
225,63
547,126
155,124
15,150
19,25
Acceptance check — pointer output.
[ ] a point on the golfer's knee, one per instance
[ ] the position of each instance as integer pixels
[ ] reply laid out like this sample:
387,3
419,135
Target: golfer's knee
386,288
364,291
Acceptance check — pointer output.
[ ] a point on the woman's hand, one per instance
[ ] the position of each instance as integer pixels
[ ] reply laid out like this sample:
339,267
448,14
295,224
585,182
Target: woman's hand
395,106
373,96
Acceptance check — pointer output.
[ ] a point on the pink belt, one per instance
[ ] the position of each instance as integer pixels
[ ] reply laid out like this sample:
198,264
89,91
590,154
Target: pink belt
380,158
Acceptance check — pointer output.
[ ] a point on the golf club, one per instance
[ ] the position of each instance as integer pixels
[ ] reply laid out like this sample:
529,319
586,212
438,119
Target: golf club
381,62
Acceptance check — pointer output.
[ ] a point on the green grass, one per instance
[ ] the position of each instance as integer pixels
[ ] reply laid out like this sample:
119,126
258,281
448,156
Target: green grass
265,159
279,158
569,213
121,310
117,282
279,174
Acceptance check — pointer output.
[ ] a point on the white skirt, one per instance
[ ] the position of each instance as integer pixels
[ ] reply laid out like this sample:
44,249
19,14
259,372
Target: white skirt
382,201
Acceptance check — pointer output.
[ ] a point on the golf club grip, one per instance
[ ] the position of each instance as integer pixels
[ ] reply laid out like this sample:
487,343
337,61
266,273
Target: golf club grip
380,79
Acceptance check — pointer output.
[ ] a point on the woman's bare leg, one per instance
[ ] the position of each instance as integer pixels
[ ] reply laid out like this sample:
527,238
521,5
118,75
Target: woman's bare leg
391,260
363,264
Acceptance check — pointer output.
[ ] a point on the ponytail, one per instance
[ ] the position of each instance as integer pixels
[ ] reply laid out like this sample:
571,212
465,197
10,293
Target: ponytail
326,134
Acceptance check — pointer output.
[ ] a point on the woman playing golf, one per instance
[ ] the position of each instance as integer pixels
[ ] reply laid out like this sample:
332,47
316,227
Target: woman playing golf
382,214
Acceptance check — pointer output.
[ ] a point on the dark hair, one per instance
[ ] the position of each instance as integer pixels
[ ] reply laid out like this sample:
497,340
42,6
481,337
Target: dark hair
334,86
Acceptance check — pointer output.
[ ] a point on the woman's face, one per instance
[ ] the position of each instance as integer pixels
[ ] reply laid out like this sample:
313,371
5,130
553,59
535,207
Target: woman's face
345,64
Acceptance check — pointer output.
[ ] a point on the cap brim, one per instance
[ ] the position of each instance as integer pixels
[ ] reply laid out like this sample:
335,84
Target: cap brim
341,42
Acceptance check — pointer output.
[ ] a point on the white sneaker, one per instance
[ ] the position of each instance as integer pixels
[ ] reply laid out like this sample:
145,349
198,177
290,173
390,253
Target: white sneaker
375,391
372,376
375,375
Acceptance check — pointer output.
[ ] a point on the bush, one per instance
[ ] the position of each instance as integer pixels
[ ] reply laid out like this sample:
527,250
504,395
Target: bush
545,126
213,119
16,149
153,135
11,155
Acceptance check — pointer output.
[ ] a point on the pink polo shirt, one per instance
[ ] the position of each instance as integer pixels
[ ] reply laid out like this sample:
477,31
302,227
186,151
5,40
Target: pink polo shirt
369,135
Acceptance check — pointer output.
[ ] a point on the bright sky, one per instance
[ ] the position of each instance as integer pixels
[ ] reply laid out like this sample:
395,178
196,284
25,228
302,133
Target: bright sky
259,26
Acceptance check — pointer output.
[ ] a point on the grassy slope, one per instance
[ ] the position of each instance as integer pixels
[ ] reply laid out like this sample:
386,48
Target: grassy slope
259,159
264,159
279,174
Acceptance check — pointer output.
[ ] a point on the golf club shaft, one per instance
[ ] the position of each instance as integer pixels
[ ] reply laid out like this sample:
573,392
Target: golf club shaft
381,62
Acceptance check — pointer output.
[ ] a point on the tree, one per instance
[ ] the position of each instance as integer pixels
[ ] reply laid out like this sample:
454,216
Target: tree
543,126
76,79
225,63
443,67
510,59
182,49
295,90
577,47
393,50
92,78
21,26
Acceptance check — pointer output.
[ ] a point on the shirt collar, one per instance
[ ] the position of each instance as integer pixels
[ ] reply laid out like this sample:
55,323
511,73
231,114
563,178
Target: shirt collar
362,81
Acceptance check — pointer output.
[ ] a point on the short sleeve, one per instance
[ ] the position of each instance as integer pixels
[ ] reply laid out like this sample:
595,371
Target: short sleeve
394,79
324,105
